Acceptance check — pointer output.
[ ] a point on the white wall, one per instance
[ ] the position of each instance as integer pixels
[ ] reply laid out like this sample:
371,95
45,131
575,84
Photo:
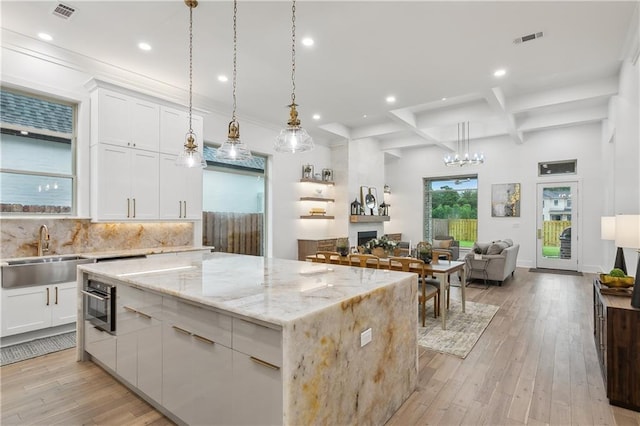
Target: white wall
65,78
507,162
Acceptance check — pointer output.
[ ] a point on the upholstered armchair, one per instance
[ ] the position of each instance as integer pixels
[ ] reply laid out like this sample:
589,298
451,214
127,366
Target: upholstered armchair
448,245
498,261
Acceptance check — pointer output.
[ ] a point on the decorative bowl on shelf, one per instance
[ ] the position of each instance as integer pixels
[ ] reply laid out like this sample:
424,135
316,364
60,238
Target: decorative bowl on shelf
616,282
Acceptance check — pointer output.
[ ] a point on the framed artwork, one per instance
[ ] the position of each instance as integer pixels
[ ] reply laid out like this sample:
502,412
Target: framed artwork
505,200
327,175
307,171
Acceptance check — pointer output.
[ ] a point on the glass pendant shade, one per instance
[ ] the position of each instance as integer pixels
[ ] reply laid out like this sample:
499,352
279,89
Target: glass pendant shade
233,149
190,156
293,139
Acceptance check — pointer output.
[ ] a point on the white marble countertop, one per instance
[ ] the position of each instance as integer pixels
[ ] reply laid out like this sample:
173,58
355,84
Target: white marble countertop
102,255
275,291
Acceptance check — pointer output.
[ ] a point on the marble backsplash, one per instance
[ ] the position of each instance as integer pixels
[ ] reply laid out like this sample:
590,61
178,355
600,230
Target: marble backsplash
19,237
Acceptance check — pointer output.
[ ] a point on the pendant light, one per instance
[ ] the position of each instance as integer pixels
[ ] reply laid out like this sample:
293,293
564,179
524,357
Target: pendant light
293,138
190,157
462,157
233,149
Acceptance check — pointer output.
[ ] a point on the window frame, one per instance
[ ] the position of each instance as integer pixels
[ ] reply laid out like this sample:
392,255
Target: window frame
72,137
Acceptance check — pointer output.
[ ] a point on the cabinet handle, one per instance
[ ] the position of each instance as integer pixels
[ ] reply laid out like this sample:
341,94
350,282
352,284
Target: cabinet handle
47,296
127,308
204,339
128,207
144,315
134,207
181,330
264,363
56,294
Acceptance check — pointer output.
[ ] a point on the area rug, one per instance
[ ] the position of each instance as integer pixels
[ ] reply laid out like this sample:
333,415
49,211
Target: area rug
38,347
555,271
463,329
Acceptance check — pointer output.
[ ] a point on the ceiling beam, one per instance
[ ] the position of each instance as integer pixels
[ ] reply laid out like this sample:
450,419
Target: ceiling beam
497,101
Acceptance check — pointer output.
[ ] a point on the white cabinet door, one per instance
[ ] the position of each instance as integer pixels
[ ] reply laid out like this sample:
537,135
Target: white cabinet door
172,188
127,121
259,385
180,190
127,183
114,118
144,184
113,183
64,309
192,194
150,361
127,356
100,344
25,309
145,125
174,125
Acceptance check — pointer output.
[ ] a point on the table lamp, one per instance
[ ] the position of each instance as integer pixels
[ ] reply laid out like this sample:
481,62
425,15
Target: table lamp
608,233
628,235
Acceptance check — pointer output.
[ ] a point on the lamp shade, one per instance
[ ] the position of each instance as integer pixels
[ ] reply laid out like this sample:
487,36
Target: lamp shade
628,231
608,228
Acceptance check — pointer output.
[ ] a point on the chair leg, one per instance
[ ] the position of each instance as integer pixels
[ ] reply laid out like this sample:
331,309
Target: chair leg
436,303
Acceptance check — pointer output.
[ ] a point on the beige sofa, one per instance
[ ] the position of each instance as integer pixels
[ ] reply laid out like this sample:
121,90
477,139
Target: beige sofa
498,261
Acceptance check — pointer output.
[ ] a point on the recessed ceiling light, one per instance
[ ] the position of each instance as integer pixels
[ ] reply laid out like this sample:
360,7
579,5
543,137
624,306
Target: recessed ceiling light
364,115
444,99
500,73
316,116
391,99
45,36
307,41
223,78
144,46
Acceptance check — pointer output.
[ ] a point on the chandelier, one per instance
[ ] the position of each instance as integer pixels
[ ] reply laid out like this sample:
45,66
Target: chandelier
293,138
462,157
190,157
233,149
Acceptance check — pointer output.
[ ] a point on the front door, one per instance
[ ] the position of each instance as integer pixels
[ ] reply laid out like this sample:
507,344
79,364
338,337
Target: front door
557,226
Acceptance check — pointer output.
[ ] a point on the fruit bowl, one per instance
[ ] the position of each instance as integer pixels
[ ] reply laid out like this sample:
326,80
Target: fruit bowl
617,282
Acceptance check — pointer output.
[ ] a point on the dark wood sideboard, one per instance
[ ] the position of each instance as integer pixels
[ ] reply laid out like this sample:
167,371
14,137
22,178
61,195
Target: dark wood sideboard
616,327
309,247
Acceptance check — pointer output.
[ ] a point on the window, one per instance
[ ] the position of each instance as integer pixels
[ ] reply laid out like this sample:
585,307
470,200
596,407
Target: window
37,167
233,204
549,168
451,208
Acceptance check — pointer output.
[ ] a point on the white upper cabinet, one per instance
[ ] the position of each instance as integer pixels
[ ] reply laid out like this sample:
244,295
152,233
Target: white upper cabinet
174,125
126,121
180,190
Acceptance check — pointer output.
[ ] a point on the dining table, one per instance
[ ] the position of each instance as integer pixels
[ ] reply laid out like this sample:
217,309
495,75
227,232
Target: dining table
438,268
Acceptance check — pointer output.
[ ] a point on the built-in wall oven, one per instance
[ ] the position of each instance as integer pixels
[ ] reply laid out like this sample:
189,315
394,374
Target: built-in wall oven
100,305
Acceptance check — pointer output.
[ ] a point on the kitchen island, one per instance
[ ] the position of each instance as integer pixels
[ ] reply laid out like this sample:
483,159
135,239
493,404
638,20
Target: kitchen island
231,339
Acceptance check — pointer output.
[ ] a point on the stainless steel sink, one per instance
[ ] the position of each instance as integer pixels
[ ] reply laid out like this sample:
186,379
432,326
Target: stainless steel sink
41,271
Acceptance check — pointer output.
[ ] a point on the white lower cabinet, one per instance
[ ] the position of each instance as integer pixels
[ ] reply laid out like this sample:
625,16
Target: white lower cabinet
139,339
100,344
197,366
256,390
34,308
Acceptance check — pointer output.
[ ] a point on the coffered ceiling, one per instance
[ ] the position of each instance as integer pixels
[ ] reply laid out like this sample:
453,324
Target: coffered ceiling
436,58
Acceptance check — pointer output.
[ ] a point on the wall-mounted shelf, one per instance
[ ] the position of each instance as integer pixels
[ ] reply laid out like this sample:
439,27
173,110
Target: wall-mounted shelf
321,182
317,216
361,218
328,200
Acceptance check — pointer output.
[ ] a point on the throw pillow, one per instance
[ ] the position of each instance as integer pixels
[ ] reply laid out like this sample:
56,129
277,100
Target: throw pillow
443,244
483,247
496,248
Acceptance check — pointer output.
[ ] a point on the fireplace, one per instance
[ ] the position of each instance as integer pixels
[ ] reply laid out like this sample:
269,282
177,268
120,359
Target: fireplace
365,236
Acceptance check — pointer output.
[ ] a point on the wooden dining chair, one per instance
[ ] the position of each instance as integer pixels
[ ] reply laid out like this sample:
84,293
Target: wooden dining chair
365,260
327,257
428,291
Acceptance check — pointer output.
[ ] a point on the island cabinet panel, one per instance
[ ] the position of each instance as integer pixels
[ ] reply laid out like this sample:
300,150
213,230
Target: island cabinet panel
259,385
139,339
197,369
100,344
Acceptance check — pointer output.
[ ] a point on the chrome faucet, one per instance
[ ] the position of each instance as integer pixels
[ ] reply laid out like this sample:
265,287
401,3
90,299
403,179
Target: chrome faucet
43,240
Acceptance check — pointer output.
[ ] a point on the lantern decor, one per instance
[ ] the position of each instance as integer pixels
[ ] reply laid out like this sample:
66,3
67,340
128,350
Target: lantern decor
356,207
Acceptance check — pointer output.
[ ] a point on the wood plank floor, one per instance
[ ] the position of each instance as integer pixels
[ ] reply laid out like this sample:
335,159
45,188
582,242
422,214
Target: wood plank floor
535,364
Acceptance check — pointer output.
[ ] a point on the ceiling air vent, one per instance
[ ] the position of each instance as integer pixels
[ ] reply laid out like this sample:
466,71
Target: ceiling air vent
528,37
63,11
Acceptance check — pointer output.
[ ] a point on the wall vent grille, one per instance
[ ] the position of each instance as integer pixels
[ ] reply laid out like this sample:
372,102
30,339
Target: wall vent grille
63,11
528,37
